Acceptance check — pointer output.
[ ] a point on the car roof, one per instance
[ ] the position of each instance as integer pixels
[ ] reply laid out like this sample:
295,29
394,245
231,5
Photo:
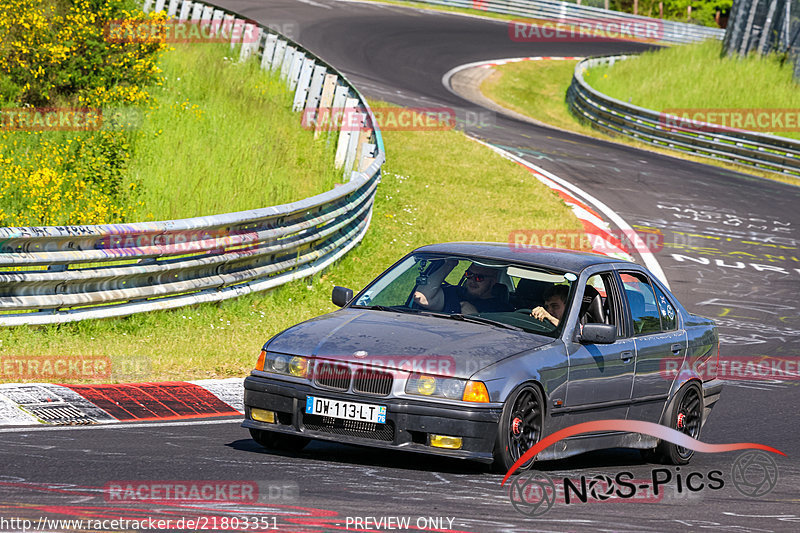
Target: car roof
557,258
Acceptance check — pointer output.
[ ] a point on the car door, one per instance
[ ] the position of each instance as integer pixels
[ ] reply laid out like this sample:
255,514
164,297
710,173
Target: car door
658,341
600,375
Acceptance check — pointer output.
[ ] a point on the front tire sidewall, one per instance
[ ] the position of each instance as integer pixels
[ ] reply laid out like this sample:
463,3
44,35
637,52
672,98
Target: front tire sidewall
503,455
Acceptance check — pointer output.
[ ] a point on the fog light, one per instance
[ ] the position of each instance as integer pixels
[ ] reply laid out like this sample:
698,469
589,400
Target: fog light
443,441
262,415
426,385
298,366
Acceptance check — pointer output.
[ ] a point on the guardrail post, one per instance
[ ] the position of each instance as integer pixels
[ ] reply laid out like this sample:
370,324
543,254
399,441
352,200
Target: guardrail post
218,27
208,12
357,123
315,87
294,72
345,131
325,114
172,10
286,65
251,41
280,54
367,156
303,83
186,10
197,12
269,50
237,32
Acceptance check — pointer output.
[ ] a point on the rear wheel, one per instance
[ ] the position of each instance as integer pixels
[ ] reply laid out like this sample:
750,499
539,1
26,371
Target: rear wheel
687,417
520,428
279,441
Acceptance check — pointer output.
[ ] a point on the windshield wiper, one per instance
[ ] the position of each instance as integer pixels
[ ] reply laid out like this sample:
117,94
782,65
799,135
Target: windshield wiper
478,320
387,308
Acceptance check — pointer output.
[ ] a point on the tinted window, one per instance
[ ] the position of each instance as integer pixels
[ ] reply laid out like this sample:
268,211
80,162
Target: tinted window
669,318
642,303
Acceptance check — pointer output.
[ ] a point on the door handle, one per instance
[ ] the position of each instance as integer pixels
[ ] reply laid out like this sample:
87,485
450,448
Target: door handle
626,356
676,348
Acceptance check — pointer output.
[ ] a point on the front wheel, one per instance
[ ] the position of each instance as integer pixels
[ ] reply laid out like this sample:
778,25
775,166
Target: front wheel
279,441
687,417
520,428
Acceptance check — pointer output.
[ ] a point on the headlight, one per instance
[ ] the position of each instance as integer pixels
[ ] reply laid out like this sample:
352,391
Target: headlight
286,364
452,388
280,363
436,386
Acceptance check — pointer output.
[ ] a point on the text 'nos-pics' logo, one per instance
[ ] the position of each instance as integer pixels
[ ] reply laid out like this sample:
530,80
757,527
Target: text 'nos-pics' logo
754,472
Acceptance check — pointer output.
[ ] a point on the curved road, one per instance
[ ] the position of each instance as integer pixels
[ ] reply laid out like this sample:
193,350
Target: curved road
730,252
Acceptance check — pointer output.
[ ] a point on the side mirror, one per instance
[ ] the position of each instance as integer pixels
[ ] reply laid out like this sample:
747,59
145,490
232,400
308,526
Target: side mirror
341,296
598,334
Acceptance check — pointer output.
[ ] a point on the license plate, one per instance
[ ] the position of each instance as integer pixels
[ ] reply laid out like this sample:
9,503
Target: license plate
346,410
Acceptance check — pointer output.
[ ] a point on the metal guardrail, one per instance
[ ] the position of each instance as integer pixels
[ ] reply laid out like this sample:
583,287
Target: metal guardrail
67,273
755,150
671,32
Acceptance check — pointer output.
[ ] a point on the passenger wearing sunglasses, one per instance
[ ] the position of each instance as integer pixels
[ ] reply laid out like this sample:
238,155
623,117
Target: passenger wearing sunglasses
472,296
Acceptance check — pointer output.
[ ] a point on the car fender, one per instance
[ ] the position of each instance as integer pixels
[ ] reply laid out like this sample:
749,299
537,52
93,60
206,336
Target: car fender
546,365
677,387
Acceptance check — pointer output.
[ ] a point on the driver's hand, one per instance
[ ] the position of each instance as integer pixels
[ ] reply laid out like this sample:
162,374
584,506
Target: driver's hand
420,299
540,313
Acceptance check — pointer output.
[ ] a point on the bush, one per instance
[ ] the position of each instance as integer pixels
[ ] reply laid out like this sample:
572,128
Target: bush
55,51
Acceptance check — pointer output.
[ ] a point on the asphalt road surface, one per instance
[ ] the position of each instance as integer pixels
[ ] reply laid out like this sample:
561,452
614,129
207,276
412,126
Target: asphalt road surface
730,252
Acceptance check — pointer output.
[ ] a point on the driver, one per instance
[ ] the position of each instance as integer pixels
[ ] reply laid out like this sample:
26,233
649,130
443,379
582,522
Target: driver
472,297
555,301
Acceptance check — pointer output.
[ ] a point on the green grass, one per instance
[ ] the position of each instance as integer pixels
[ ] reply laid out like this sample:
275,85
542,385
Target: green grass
224,138
437,186
695,76
538,89
220,136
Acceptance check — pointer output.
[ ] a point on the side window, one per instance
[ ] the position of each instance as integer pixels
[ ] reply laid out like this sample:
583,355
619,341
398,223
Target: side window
669,319
598,304
641,302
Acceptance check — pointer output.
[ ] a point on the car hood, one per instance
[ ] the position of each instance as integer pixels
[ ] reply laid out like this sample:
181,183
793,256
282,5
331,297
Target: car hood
403,341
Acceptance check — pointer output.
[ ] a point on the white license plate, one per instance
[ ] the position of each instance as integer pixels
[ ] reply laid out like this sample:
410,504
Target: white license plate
346,410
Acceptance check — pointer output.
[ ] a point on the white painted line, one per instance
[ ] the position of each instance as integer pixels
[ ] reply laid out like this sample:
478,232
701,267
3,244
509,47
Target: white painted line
492,62
315,4
121,426
638,244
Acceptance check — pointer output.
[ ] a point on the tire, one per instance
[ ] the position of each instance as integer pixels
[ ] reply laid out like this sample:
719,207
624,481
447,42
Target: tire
686,415
521,426
279,441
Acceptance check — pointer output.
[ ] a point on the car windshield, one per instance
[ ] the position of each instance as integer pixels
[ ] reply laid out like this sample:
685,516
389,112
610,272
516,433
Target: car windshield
491,292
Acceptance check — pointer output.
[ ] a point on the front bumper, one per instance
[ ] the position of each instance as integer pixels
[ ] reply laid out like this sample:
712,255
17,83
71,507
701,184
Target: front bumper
409,422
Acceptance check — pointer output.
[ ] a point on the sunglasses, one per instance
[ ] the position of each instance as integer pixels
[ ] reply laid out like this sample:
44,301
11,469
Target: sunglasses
476,277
